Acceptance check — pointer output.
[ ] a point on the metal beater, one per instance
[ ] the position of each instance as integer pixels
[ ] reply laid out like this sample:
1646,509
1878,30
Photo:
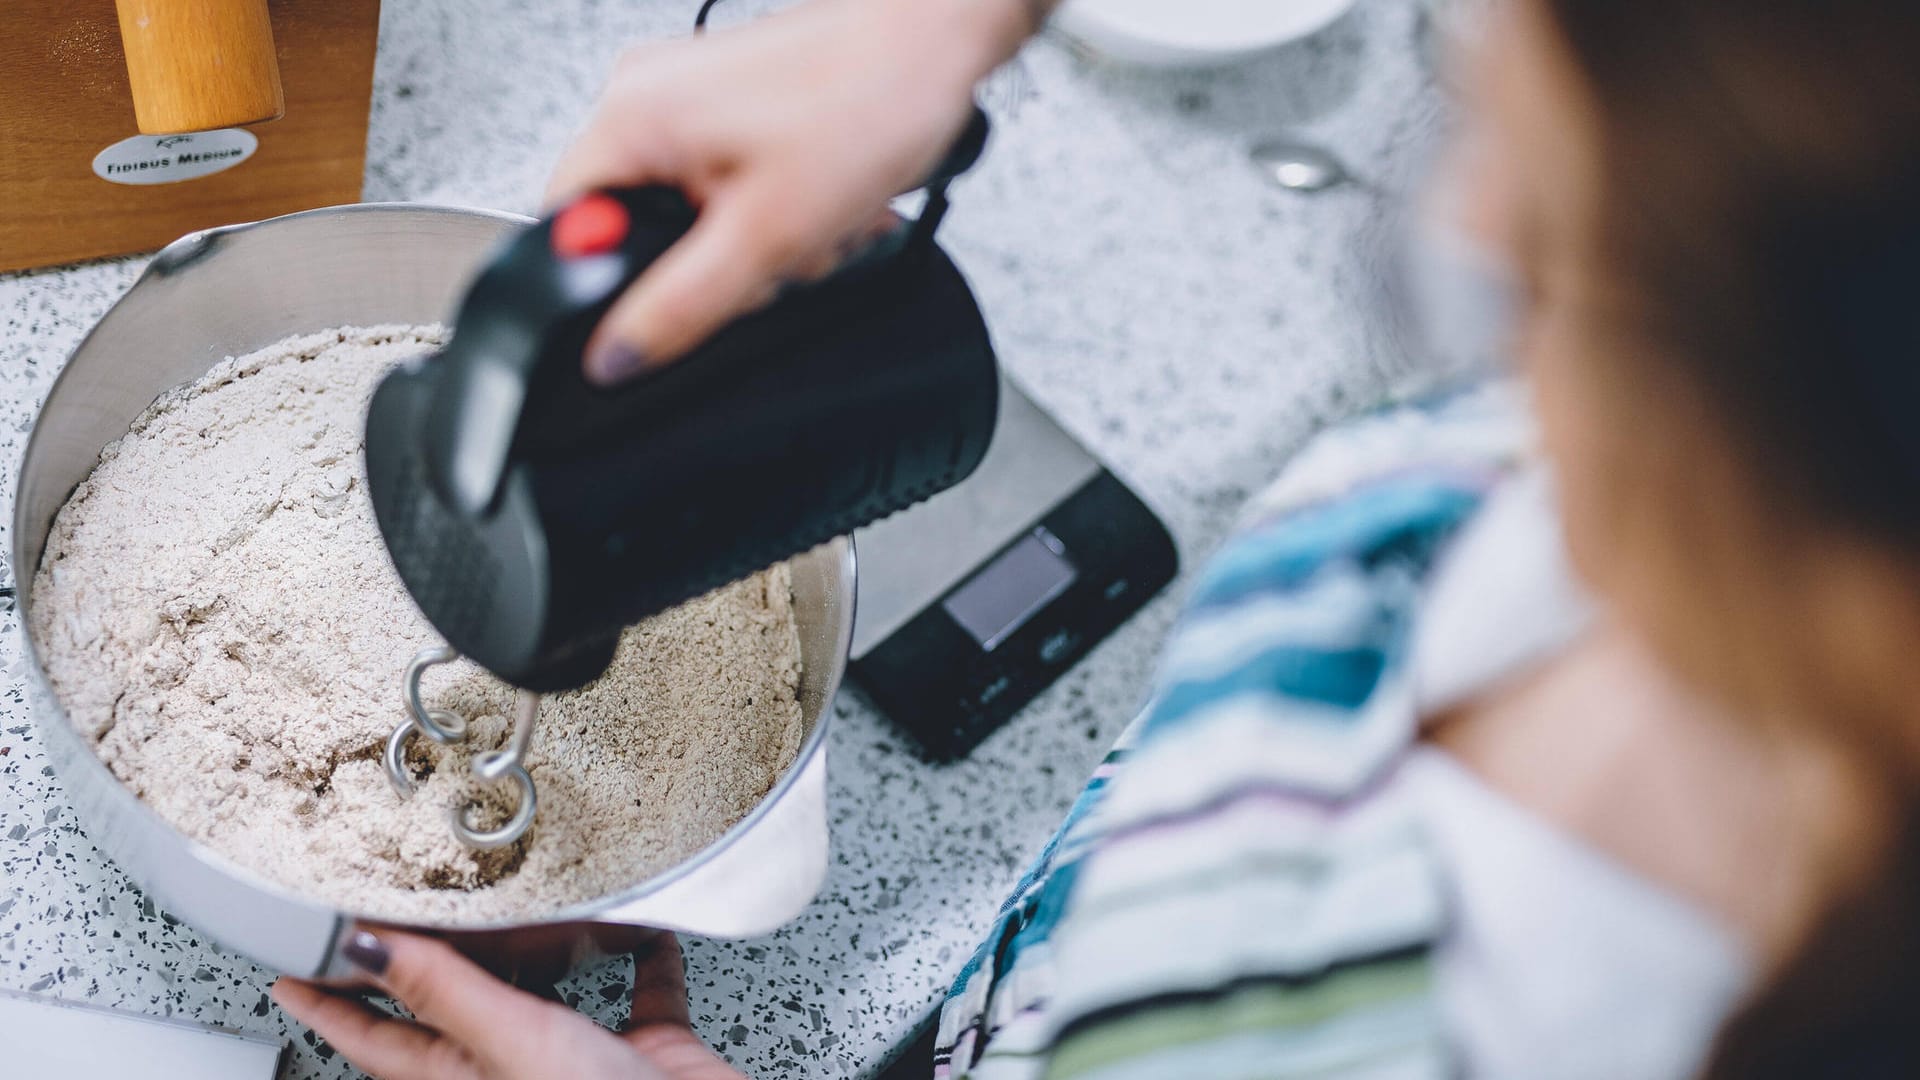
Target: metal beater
493,766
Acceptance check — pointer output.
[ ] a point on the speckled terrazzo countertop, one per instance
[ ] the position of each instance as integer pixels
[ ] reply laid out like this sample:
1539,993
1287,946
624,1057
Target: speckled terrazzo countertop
1189,323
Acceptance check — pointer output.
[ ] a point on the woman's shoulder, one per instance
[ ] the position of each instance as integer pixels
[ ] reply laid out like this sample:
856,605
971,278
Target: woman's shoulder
1300,625
1239,894
1469,433
1228,878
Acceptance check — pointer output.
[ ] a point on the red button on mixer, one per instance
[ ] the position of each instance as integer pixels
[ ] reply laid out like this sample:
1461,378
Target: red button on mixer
594,225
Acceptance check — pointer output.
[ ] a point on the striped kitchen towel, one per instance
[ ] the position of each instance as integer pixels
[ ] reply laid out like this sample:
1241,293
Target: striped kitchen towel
1227,899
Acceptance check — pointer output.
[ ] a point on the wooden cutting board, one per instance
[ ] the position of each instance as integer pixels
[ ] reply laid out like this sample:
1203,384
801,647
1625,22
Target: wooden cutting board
65,96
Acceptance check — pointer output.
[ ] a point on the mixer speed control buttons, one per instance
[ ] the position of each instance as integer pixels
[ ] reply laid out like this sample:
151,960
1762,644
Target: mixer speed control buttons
1057,645
594,225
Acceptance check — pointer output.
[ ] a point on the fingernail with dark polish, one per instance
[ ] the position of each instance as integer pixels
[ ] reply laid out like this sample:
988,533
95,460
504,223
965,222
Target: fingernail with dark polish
368,953
615,361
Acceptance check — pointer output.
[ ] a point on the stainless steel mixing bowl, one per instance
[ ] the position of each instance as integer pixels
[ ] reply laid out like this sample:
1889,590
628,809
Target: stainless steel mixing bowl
228,291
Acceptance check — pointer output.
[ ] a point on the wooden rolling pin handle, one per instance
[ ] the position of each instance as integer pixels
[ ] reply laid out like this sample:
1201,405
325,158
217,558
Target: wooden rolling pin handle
196,65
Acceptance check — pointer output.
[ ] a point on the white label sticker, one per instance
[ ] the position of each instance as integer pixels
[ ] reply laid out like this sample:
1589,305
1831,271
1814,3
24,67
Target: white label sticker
167,159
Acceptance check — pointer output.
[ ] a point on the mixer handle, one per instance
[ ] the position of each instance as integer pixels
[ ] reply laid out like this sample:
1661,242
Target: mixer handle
965,151
523,327
960,157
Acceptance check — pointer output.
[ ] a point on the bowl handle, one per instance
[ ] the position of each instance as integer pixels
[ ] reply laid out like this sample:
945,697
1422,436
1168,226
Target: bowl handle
768,875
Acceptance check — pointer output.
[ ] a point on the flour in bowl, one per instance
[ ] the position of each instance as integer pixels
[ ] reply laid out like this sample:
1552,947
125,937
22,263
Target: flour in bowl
217,613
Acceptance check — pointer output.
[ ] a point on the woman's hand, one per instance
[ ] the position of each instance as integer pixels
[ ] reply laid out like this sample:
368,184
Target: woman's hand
790,134
469,1025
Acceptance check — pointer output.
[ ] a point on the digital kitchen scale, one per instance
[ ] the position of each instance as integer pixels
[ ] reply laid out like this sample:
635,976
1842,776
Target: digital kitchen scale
971,603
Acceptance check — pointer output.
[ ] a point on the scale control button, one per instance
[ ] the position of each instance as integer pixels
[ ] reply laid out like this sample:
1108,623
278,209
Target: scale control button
994,689
1118,589
1057,645
594,225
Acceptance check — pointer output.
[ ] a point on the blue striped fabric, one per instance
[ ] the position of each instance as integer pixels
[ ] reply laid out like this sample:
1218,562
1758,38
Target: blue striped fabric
1401,516
1224,899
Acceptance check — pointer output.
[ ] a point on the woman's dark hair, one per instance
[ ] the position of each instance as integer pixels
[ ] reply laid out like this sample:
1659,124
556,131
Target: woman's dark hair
1762,200
1761,204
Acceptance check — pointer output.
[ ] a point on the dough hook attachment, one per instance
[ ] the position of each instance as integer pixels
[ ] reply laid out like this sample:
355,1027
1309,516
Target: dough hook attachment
441,725
491,766
494,766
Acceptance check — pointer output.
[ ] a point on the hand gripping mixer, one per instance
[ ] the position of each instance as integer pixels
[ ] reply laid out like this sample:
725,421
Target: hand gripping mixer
533,516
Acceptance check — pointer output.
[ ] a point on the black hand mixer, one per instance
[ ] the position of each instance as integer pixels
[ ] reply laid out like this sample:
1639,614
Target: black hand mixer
533,516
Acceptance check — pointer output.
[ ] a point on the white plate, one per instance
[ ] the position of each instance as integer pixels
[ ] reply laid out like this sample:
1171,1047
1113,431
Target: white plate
1189,32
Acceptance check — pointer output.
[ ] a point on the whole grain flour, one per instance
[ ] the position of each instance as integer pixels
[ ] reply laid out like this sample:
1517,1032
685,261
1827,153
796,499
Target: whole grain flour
217,613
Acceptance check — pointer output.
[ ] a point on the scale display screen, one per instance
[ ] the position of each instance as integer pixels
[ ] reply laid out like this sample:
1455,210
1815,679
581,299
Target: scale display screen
1006,592
978,599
